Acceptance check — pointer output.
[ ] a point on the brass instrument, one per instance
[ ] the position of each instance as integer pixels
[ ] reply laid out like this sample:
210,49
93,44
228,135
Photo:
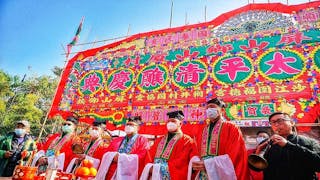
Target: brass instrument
257,162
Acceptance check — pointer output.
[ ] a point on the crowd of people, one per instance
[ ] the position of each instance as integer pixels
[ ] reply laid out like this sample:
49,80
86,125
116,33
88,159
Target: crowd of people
216,151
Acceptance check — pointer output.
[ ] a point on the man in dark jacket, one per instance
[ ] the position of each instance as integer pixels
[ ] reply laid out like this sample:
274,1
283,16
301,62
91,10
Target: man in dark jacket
11,146
290,156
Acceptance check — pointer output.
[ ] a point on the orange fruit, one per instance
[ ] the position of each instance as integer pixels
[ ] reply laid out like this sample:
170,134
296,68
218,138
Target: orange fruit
76,172
93,171
83,171
87,163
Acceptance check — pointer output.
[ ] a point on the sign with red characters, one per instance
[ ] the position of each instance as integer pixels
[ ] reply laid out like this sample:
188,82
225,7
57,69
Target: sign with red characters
257,59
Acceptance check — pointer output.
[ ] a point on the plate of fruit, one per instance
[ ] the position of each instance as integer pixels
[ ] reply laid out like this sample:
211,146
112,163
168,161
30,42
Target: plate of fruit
86,170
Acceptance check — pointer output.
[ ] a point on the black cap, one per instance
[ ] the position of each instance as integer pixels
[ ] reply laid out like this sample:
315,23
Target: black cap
217,101
176,115
262,131
135,119
72,119
98,123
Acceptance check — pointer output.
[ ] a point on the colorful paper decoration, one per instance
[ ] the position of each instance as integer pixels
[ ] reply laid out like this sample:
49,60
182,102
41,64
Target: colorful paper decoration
256,58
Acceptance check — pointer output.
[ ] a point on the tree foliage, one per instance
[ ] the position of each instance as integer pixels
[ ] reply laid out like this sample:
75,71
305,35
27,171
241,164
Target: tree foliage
27,98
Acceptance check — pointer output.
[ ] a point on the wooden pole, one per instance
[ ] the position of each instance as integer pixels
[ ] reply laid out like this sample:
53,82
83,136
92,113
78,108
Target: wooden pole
54,96
94,42
171,13
186,19
128,32
64,49
205,13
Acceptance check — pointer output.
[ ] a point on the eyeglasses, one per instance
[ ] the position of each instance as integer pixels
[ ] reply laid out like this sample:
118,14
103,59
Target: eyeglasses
278,121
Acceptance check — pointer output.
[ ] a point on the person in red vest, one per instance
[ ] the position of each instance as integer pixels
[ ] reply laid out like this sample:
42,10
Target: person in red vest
221,147
59,144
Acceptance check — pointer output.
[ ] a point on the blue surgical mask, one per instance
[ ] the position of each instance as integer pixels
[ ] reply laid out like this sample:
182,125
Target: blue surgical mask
20,132
67,129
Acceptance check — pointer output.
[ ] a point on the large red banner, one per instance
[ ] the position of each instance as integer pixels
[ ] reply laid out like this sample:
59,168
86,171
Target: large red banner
259,59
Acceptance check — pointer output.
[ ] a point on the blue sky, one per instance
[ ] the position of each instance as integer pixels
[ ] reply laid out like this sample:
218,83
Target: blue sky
32,32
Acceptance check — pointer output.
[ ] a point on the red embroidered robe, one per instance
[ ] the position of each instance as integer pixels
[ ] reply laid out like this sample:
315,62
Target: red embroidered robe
139,148
226,138
181,153
64,147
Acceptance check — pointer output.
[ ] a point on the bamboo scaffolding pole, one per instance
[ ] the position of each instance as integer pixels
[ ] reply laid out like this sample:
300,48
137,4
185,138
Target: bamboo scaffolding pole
60,77
54,96
171,13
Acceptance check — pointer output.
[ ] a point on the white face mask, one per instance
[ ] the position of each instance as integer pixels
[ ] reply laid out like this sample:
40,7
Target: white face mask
129,129
94,133
20,132
212,113
260,139
172,126
67,129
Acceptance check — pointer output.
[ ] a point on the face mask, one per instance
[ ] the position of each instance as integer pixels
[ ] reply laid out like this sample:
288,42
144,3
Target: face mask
20,132
212,113
260,139
94,133
172,126
129,129
67,129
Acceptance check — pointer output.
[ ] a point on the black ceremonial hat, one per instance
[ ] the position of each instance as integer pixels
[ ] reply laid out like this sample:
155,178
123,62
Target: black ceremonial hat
217,101
135,119
73,119
176,115
98,123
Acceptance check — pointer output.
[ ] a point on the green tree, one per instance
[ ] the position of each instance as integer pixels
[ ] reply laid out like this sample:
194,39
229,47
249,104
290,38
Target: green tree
57,71
26,98
9,85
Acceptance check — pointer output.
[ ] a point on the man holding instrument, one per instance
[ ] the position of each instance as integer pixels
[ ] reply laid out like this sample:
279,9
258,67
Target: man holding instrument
57,145
290,156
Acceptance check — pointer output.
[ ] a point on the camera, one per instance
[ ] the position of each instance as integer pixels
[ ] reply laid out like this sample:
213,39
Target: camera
16,156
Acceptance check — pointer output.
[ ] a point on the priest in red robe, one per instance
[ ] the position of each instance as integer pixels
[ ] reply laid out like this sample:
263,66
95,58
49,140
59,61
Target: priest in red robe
57,144
169,157
96,147
93,149
221,147
124,158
